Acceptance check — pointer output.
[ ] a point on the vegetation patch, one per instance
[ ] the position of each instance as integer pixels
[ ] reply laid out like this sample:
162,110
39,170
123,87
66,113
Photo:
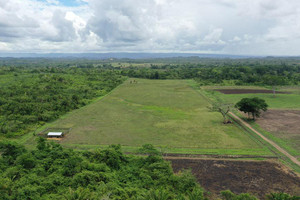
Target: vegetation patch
31,97
52,172
156,112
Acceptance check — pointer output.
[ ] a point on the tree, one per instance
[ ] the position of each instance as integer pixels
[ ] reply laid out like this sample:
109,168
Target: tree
223,109
252,105
274,81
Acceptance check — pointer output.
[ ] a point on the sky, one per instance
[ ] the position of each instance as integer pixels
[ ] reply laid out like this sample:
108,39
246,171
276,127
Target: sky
238,27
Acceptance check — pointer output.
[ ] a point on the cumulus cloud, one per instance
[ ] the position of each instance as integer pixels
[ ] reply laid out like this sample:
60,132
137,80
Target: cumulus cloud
63,29
259,27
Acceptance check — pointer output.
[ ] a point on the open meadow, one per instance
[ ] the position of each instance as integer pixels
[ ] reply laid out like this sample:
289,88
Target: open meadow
169,114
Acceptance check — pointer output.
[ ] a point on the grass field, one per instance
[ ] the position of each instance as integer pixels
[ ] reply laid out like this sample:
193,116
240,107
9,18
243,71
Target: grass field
281,101
169,114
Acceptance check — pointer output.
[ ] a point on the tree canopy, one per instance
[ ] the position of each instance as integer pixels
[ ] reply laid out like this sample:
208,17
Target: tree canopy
31,97
252,106
53,172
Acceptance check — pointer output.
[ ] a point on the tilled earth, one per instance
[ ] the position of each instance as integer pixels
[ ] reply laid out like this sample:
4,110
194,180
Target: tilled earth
255,177
283,124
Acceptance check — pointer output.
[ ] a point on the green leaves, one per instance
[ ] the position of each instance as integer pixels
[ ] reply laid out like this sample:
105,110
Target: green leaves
281,196
112,156
148,149
228,195
31,99
53,172
26,160
252,105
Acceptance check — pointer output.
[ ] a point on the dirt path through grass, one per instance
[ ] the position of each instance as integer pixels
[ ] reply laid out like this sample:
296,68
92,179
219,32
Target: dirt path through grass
292,158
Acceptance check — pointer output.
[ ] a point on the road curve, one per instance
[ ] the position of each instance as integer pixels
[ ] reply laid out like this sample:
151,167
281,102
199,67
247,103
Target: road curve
292,158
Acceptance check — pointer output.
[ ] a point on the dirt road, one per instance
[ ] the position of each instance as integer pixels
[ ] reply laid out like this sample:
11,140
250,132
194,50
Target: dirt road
292,158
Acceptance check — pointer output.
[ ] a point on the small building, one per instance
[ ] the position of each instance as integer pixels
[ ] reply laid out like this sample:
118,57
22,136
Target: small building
55,134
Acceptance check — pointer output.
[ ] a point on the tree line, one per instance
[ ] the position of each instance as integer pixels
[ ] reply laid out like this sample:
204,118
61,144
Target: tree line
236,75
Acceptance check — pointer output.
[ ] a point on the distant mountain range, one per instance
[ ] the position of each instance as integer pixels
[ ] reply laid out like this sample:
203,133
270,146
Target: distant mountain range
120,55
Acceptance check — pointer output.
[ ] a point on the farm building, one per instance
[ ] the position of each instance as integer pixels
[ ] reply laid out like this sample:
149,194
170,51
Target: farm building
55,134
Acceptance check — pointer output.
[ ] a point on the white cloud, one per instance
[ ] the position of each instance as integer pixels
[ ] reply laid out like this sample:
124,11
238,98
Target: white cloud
214,37
220,26
4,46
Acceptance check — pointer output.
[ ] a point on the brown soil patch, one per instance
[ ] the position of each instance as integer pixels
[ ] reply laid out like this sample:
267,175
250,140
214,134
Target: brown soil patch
255,177
247,91
284,124
57,139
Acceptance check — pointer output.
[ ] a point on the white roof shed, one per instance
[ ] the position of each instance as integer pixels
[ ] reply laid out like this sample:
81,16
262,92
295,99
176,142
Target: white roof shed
55,134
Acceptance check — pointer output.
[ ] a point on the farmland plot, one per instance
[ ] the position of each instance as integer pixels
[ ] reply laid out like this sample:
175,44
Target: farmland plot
166,113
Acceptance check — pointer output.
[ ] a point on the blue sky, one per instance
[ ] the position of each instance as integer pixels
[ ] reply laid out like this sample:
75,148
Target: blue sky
70,3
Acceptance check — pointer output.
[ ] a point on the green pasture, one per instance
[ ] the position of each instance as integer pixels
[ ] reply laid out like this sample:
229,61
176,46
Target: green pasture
280,101
295,89
169,114
214,87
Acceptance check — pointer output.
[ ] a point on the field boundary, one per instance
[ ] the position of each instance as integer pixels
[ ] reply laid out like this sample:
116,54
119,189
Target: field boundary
216,156
209,156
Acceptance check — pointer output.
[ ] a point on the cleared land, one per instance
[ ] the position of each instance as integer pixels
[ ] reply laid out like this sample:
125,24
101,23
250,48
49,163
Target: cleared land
292,158
283,124
167,113
256,177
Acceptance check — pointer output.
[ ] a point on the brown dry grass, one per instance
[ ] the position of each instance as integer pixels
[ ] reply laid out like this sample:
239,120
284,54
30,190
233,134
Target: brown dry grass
256,177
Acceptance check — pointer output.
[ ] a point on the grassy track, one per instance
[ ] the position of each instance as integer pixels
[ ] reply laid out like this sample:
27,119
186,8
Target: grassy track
167,113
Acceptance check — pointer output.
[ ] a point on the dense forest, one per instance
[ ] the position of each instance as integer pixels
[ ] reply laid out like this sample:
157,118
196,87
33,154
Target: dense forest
53,172
35,91
236,75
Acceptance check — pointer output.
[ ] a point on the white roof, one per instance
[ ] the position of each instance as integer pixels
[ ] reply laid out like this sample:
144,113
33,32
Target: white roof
54,133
